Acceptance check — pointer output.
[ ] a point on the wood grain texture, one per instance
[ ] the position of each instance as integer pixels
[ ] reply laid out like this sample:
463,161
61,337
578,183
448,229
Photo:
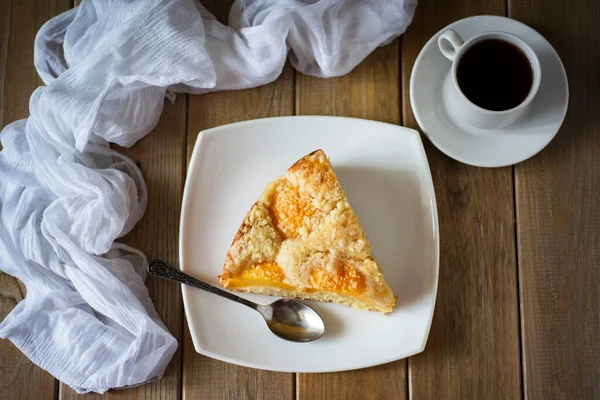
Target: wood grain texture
370,91
204,377
473,346
558,217
473,349
19,377
161,156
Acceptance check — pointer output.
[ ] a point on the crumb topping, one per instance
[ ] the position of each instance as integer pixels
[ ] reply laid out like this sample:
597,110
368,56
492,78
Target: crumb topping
303,231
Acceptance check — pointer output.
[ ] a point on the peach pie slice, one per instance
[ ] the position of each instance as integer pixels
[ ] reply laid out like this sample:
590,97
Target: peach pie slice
302,239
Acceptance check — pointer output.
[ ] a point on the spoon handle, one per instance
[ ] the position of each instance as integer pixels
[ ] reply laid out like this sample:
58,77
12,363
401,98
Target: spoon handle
163,270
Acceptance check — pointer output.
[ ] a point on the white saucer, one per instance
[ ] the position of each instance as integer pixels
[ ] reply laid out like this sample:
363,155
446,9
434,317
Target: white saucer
488,148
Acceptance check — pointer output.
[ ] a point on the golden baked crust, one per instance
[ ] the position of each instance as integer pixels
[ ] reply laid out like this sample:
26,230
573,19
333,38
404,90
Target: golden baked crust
302,239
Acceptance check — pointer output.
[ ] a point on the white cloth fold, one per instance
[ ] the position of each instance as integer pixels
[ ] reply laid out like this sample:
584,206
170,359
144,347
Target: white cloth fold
65,196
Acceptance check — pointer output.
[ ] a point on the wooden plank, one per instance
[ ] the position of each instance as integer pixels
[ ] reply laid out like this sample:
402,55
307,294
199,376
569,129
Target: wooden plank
204,377
473,346
558,218
19,377
161,156
370,91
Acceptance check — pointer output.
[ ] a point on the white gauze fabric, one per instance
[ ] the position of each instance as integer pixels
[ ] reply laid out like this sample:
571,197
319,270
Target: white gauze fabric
65,196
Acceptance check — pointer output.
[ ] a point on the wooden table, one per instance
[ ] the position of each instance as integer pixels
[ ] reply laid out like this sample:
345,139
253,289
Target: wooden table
517,311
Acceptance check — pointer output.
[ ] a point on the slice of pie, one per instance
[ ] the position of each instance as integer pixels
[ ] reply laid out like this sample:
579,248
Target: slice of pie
302,239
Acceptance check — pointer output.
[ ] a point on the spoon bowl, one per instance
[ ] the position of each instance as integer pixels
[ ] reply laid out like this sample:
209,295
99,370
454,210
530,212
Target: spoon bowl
289,319
293,320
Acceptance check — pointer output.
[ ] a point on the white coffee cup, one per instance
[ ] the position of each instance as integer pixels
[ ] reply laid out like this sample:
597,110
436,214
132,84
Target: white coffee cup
460,107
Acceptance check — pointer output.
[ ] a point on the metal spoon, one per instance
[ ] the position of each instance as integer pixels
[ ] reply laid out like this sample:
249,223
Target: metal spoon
289,319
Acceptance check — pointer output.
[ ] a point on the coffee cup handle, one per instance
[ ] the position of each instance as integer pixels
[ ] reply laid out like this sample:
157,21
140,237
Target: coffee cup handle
449,43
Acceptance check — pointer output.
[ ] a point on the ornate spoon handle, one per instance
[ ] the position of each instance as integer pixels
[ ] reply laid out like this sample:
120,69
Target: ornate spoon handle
163,270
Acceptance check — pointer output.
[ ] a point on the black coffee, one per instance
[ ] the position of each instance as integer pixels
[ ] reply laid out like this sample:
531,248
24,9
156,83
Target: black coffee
495,75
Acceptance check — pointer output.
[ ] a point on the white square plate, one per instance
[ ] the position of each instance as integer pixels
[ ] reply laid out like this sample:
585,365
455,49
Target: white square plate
383,169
